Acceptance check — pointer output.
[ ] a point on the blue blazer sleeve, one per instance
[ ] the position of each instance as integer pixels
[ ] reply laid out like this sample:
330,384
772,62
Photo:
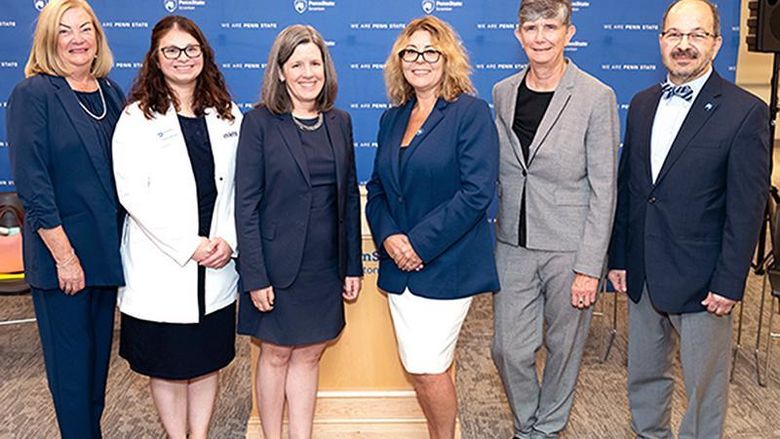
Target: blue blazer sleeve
377,210
619,241
352,214
26,122
748,169
250,189
477,151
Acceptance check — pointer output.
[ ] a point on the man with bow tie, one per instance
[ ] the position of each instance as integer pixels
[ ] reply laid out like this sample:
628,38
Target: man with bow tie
692,186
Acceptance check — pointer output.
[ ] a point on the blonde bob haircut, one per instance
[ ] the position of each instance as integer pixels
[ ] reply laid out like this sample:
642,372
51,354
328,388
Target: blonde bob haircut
275,96
456,76
43,57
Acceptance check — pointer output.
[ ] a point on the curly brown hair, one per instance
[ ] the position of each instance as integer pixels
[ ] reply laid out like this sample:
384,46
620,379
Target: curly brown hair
155,96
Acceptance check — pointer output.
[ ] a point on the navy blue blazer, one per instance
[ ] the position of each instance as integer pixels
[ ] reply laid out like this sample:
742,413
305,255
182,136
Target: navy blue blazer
438,196
694,230
273,198
63,177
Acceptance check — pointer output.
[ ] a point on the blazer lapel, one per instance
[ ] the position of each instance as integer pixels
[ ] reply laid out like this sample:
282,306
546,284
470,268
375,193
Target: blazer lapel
395,139
558,103
86,132
293,141
507,112
437,114
701,110
339,146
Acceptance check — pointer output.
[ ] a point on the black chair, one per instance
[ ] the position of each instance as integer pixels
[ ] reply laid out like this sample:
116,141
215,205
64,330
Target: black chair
11,267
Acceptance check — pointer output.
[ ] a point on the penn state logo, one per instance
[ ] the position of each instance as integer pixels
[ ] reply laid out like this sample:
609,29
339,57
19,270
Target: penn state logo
428,6
171,5
40,4
301,6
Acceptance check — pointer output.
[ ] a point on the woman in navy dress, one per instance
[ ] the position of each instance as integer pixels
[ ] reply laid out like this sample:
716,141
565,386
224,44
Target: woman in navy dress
298,225
174,150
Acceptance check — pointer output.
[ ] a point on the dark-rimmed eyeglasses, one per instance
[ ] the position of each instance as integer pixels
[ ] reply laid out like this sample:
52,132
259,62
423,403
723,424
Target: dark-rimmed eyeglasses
674,36
430,56
173,52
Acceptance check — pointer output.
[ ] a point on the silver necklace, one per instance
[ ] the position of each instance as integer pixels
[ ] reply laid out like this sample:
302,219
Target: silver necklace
305,127
102,101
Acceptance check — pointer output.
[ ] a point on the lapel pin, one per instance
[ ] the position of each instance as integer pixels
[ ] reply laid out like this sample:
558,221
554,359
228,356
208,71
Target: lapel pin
708,107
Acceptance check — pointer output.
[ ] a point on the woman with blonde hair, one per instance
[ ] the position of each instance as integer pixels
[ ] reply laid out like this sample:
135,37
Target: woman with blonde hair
298,221
433,180
59,123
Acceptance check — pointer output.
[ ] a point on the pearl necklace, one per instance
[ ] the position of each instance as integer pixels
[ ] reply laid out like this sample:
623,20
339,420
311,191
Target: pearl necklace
102,101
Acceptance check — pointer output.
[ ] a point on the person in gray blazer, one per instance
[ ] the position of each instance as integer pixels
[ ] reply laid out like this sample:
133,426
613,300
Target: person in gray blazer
559,134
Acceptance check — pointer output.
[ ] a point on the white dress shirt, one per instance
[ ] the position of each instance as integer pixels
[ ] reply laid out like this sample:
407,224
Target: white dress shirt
669,117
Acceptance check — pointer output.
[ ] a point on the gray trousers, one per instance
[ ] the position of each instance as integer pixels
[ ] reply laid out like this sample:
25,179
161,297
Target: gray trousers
705,353
536,289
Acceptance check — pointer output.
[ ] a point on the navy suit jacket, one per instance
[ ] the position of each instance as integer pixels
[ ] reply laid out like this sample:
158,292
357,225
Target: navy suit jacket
273,198
694,230
63,177
438,196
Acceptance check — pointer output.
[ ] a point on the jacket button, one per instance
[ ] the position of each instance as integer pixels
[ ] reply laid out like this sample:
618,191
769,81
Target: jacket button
652,200
400,199
525,173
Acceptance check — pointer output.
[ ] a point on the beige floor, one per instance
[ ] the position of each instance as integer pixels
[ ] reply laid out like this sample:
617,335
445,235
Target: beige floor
600,409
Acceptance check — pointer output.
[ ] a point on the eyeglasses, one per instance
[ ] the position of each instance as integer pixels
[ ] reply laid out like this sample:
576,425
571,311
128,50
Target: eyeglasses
430,56
173,52
675,36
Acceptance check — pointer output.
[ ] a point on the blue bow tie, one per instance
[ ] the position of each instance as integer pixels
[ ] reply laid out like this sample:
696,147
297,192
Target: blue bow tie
682,91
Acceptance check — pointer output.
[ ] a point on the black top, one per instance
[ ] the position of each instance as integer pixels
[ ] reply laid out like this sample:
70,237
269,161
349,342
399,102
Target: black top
196,136
530,107
529,111
104,128
319,154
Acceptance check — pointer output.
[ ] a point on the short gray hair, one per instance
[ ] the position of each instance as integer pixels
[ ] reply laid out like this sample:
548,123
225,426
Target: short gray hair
532,10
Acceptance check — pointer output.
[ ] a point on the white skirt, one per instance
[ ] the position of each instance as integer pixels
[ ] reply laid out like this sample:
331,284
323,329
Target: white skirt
427,330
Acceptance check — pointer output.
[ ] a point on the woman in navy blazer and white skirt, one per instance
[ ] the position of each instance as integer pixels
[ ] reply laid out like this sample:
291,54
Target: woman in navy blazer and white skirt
434,178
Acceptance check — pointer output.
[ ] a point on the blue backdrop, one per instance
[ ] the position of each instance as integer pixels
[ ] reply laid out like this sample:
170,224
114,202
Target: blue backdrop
616,40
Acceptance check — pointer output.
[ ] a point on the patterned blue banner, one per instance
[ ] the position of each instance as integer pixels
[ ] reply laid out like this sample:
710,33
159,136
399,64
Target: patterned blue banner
616,40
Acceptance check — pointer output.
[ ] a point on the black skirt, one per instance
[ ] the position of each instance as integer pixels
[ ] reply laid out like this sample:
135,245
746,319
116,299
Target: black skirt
176,351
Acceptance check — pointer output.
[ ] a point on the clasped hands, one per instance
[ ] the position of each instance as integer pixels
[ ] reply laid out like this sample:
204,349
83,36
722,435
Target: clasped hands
715,304
212,253
401,251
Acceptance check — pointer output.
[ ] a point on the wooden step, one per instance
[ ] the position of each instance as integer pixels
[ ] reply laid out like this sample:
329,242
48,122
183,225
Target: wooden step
363,415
